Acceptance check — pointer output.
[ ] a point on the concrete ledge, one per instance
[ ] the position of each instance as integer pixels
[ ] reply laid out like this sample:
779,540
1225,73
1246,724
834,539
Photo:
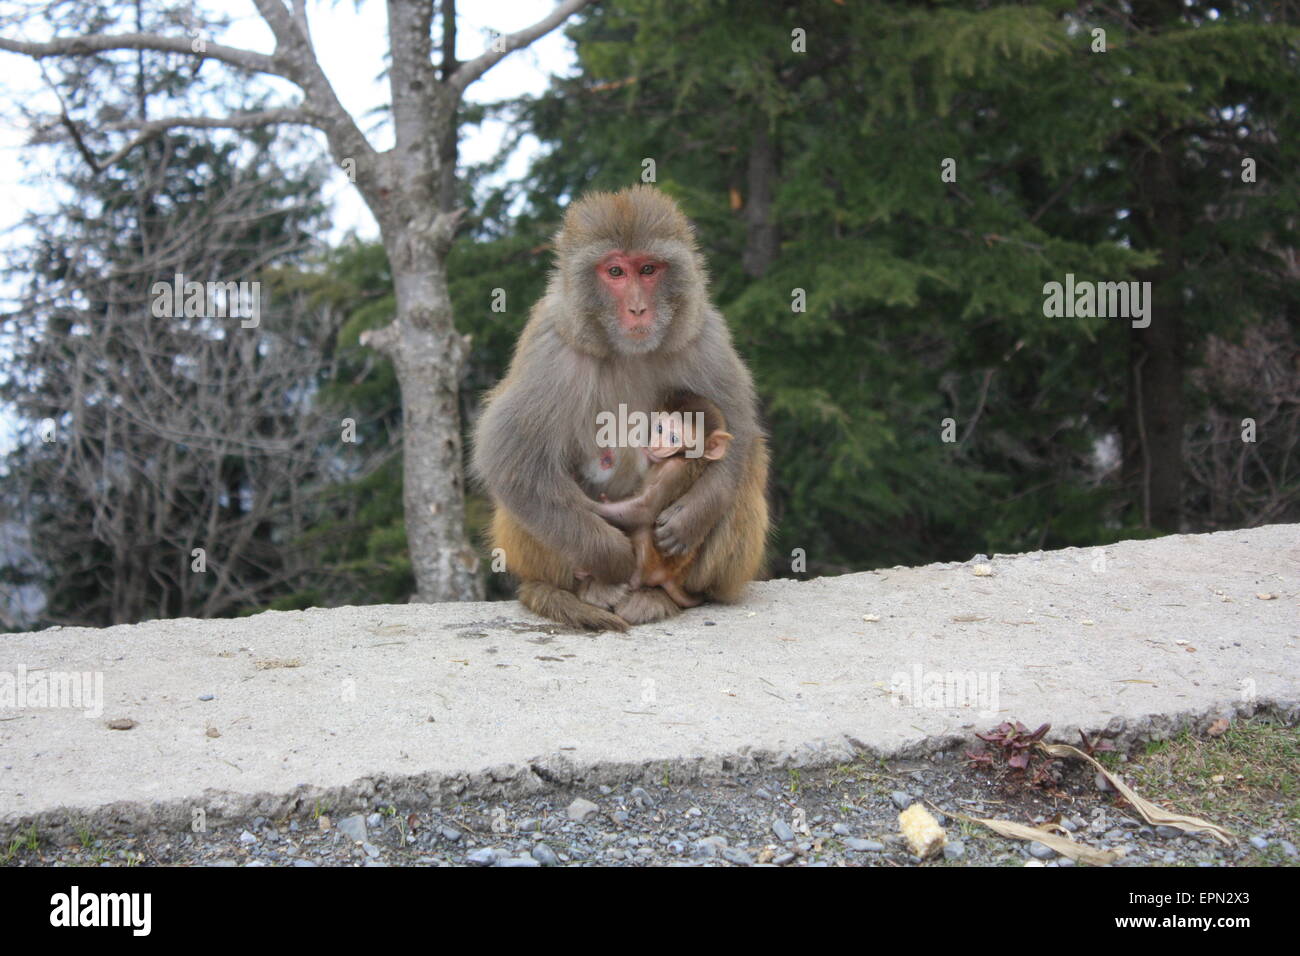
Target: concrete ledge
425,703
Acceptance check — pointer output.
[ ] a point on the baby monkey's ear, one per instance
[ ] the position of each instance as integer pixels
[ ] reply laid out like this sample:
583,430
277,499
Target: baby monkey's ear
716,445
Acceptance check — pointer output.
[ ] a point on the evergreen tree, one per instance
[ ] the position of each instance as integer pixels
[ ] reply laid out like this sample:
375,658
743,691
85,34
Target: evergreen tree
822,170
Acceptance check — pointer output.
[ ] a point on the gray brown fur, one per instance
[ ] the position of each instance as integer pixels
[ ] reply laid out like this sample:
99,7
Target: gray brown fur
567,367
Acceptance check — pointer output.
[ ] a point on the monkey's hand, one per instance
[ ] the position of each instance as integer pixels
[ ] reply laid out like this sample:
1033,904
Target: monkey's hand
680,530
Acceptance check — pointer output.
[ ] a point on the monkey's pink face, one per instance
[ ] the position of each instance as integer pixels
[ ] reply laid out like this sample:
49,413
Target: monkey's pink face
631,281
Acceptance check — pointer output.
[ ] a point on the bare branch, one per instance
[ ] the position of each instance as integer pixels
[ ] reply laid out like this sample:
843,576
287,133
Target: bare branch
148,130
293,60
383,340
81,46
295,56
444,229
471,70
287,114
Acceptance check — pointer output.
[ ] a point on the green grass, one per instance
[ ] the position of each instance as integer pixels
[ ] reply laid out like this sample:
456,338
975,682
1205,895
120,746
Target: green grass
1247,779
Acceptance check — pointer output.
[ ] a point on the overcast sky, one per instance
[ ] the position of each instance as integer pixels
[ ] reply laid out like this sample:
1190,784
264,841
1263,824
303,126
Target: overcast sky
351,45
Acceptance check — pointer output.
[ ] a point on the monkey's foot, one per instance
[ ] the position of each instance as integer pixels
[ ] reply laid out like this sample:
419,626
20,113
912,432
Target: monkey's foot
647,605
607,596
680,596
567,608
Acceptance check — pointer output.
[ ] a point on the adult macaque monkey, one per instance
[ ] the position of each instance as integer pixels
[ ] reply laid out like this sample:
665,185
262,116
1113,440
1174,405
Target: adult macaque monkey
625,321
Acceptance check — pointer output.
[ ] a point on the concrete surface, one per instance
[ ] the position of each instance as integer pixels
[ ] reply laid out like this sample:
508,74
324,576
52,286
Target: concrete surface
424,703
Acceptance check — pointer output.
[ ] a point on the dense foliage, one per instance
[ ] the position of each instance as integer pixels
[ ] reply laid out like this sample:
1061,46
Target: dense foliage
922,405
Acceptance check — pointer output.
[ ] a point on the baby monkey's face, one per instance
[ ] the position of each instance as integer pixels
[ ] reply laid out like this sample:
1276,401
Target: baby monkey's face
672,433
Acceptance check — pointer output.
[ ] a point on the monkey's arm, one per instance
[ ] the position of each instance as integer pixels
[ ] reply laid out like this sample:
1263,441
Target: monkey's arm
524,466
626,514
683,525
669,481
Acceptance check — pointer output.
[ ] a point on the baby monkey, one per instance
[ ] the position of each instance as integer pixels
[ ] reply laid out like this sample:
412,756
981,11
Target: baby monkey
684,438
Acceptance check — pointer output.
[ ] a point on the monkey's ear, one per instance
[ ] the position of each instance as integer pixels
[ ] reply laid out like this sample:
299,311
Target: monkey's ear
716,445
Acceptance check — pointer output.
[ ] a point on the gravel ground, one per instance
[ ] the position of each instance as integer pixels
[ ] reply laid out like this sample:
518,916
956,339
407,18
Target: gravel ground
846,816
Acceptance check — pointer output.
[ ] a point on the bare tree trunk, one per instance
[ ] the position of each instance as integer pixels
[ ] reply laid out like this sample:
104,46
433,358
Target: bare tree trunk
429,357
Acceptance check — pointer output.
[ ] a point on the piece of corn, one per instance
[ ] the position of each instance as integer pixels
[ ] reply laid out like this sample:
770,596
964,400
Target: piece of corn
922,830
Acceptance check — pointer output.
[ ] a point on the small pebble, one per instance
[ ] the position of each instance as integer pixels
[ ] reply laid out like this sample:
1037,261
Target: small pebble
580,809
544,855
353,827
863,846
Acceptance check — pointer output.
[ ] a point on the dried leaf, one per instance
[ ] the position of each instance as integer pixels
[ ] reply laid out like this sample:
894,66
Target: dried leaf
1149,811
1043,835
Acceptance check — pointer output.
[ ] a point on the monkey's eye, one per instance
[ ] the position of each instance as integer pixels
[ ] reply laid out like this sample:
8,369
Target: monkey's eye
647,270
615,271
